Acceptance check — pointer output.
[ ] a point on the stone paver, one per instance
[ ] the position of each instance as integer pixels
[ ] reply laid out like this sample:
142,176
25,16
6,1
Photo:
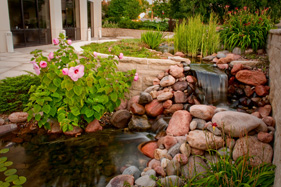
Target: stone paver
17,63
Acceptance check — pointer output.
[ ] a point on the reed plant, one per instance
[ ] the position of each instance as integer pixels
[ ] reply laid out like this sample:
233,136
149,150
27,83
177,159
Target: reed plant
194,36
152,38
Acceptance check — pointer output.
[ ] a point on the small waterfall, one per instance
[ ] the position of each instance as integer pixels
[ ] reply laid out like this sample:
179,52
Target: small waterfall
212,82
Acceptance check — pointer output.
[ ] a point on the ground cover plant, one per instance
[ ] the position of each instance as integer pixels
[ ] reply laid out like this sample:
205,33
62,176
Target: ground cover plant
75,91
194,37
14,92
129,47
152,38
245,29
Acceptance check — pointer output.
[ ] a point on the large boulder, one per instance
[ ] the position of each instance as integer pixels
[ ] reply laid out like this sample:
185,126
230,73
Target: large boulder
205,112
121,118
204,140
167,81
258,151
179,123
139,123
253,78
93,126
237,124
119,181
154,109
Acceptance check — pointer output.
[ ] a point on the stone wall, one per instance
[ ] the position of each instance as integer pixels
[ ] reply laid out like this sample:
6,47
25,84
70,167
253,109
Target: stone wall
147,69
274,53
114,32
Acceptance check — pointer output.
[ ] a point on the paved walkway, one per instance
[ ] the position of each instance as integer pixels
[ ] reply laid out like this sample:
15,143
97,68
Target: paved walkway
18,62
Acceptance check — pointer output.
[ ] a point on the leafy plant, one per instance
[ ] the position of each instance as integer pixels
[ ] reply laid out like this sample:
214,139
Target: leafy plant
194,37
108,24
14,92
152,38
75,91
11,177
227,173
244,29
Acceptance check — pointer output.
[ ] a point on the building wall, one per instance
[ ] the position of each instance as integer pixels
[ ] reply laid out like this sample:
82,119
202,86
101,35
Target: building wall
4,26
274,54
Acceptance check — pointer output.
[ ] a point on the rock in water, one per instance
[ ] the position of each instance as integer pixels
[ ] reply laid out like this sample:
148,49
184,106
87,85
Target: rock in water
237,124
139,123
121,118
204,140
179,123
260,152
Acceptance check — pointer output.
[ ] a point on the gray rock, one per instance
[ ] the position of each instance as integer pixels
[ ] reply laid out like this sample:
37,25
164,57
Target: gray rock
145,98
173,168
211,159
221,55
174,150
186,68
200,123
2,121
171,181
195,166
237,51
180,85
185,149
132,170
149,173
145,181
167,81
224,151
4,129
139,123
121,118
152,88
193,125
216,132
165,96
118,181
209,58
159,125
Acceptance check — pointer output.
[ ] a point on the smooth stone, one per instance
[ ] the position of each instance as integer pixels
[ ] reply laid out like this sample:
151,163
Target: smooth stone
164,162
180,85
173,168
149,173
249,63
221,55
253,78
216,132
74,132
55,127
179,123
171,181
261,152
145,98
2,121
169,141
265,137
139,123
4,129
160,171
180,97
159,126
204,140
137,109
181,158
176,71
211,159
145,181
200,123
165,96
174,150
195,151
167,81
154,163
167,104
121,118
269,121
205,112
173,109
18,117
132,170
193,125
185,149
195,166
119,181
93,126
237,124
154,109
152,88
161,153
149,148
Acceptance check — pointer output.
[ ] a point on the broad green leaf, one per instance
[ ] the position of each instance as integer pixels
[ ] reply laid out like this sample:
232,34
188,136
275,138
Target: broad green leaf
21,180
46,80
3,169
3,159
8,163
114,96
36,108
89,112
75,111
77,90
11,178
5,150
40,101
51,76
69,94
10,172
37,117
57,82
52,87
46,109
5,184
53,111
68,85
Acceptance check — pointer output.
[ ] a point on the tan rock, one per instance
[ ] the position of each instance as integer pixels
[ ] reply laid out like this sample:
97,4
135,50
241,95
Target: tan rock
179,123
205,112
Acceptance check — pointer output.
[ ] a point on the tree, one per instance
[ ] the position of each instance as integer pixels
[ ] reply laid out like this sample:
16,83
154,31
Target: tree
124,8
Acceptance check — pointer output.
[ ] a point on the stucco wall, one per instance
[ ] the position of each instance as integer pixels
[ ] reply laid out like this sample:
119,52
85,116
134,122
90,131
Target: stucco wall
147,69
274,53
114,32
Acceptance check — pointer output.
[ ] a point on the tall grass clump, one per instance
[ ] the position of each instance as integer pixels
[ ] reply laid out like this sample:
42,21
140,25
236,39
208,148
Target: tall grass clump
194,36
152,38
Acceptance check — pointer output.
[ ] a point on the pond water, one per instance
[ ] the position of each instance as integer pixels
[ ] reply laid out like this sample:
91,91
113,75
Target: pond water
88,160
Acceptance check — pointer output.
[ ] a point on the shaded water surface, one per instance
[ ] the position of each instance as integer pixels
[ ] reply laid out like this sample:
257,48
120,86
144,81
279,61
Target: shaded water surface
88,160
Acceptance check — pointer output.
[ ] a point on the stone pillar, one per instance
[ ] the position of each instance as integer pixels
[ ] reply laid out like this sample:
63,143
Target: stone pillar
56,18
274,54
84,20
96,17
5,27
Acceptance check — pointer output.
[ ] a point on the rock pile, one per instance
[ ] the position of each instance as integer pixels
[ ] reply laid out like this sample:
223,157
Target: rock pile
185,128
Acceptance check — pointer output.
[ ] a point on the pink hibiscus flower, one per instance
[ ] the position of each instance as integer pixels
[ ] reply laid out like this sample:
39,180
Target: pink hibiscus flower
43,64
65,71
121,56
69,42
56,41
136,78
76,72
36,69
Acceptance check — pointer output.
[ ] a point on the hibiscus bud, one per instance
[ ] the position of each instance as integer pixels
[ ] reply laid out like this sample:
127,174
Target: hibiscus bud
43,64
56,41
136,77
65,71
121,56
69,42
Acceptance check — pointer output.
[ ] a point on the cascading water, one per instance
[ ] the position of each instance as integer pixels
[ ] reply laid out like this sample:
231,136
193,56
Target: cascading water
212,82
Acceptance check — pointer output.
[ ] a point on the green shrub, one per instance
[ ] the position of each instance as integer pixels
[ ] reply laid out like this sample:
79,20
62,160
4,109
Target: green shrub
152,38
107,24
194,37
75,91
244,29
227,173
14,92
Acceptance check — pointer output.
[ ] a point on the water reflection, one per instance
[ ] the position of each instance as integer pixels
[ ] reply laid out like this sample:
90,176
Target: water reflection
89,160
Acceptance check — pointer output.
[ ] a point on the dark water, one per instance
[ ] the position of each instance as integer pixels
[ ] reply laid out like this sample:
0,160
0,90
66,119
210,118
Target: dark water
212,82
88,160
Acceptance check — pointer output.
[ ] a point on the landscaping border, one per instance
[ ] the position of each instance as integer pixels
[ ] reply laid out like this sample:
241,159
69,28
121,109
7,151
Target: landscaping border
120,32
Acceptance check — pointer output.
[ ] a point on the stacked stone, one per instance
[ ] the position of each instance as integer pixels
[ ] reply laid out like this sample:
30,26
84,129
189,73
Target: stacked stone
192,131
